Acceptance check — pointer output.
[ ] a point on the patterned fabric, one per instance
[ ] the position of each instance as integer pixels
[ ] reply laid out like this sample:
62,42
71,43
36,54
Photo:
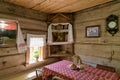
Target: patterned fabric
62,70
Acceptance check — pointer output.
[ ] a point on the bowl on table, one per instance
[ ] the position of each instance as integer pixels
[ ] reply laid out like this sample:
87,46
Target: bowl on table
72,66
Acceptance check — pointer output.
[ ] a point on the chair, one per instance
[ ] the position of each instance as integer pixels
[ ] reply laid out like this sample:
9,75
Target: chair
57,78
31,76
39,74
108,68
76,59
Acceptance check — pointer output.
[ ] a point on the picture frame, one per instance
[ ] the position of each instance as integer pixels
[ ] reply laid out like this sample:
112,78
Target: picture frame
93,31
8,32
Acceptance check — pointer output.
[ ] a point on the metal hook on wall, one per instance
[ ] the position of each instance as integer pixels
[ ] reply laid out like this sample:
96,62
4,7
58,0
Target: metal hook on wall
112,53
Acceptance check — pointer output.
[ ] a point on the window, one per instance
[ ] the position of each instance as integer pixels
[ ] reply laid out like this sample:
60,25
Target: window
8,32
36,49
36,46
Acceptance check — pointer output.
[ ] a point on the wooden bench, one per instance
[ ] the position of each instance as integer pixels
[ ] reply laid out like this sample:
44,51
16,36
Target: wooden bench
108,68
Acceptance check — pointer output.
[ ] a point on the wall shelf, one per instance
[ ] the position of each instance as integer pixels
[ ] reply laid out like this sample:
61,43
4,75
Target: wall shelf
11,54
7,45
114,44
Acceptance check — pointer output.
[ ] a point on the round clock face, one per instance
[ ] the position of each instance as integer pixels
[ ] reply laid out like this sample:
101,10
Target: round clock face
112,24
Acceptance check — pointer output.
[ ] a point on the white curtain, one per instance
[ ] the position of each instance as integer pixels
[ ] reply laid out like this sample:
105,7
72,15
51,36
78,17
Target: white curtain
70,34
33,36
21,45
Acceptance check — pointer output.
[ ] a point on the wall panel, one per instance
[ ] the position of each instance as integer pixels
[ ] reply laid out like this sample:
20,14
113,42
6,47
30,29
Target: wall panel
30,22
103,50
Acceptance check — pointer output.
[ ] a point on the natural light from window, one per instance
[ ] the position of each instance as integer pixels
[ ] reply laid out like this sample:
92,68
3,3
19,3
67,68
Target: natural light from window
36,49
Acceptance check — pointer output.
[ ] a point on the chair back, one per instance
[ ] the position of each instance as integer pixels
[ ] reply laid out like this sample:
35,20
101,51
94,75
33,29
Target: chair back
57,78
39,74
108,68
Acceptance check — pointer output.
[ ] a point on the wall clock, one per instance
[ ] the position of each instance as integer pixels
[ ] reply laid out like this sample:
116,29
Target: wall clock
112,24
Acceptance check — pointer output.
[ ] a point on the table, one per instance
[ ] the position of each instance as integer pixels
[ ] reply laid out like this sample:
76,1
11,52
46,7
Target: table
62,70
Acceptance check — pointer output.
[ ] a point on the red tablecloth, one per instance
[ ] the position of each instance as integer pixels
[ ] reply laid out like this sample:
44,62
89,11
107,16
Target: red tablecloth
62,70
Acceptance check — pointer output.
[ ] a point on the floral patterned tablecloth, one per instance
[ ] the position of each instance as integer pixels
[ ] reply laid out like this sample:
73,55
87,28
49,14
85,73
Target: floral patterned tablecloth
61,69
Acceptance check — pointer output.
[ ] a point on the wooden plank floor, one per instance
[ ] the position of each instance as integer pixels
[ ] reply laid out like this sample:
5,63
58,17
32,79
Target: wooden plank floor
18,76
22,75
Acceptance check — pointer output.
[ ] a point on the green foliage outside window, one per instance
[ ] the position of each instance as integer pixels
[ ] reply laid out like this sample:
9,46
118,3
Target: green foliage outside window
36,54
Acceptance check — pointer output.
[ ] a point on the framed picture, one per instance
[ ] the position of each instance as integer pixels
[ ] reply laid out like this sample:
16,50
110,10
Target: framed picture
93,31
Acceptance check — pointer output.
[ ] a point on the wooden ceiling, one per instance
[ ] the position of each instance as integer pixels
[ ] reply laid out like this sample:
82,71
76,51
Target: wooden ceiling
57,6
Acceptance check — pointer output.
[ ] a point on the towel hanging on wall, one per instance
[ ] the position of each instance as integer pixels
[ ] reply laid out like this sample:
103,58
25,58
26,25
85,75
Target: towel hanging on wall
21,45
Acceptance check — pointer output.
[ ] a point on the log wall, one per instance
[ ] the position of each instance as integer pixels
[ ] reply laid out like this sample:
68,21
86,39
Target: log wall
30,22
11,9
103,50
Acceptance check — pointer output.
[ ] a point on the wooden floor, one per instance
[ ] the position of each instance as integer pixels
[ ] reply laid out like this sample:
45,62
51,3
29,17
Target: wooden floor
22,75
18,76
